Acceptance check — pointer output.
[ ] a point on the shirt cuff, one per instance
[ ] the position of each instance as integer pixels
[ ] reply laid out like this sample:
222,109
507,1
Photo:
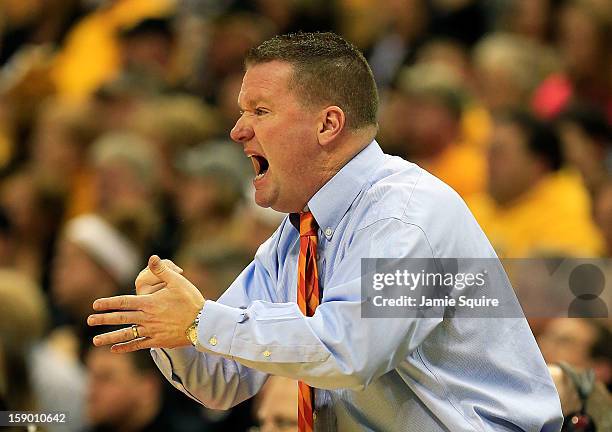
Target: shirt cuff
217,327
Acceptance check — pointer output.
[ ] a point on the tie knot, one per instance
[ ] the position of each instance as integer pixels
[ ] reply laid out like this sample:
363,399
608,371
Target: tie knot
308,225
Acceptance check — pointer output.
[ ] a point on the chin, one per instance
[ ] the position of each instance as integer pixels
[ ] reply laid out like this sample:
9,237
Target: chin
262,201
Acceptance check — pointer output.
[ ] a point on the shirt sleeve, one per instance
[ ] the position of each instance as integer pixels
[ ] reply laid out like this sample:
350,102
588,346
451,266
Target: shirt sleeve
219,381
335,348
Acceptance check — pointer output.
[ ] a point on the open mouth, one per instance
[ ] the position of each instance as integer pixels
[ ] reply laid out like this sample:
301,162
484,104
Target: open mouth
260,165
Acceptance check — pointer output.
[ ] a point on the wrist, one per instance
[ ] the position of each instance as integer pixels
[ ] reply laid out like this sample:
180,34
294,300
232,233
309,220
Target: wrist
192,330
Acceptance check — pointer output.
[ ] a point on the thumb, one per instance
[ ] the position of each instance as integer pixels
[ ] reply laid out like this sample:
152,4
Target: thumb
161,269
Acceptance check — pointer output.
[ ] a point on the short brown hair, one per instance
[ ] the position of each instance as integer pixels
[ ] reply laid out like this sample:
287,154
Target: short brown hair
327,69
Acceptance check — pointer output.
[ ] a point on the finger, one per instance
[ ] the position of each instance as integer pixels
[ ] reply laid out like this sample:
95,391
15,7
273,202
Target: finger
134,345
124,302
161,270
146,277
118,336
173,266
115,318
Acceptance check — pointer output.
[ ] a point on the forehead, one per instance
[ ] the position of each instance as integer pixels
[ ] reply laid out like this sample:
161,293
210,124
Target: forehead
265,82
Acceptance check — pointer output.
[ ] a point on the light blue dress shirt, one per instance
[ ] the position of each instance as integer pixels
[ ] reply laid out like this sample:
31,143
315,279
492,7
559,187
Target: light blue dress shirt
370,374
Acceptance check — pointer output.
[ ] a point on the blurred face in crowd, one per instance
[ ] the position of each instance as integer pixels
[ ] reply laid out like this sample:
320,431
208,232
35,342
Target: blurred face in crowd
56,153
584,153
497,87
568,340
512,169
431,127
18,197
77,280
116,183
530,17
117,390
203,194
278,409
396,134
580,42
151,52
279,134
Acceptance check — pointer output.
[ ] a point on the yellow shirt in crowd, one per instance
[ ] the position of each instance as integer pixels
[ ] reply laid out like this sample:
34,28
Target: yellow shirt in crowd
91,56
554,218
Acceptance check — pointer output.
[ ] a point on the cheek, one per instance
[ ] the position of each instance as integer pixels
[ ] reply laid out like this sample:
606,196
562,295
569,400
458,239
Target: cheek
112,398
295,152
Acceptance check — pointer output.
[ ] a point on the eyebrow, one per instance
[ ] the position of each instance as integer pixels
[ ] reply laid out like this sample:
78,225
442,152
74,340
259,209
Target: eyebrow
252,102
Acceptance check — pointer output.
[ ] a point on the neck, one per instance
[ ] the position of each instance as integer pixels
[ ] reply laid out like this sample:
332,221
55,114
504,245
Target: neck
518,196
336,158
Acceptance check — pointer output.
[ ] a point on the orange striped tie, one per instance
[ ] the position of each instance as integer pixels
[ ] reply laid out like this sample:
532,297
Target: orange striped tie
308,300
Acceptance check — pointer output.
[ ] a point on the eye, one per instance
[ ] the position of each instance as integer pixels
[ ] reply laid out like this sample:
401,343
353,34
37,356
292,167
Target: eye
259,111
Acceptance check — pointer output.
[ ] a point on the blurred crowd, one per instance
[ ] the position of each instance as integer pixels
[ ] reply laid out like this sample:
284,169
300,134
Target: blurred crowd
114,145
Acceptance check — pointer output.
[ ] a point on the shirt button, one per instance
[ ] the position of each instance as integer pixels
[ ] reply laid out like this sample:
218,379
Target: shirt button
267,353
212,341
314,415
328,232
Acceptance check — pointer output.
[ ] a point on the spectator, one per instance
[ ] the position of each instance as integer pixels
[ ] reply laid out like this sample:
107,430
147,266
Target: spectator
508,68
213,176
125,394
533,207
125,167
587,139
147,51
405,25
59,146
583,343
231,37
23,320
34,213
106,260
175,123
91,54
598,404
433,138
529,18
583,42
277,405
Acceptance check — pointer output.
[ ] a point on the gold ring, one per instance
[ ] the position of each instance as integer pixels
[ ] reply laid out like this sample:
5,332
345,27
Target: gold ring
135,331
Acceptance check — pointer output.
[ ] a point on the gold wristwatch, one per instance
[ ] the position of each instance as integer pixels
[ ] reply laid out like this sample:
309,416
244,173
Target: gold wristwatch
192,330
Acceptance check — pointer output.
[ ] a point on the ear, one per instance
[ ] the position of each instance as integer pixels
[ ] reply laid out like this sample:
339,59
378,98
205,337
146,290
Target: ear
330,124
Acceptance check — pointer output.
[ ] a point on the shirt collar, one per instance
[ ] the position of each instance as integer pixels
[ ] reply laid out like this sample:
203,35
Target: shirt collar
332,201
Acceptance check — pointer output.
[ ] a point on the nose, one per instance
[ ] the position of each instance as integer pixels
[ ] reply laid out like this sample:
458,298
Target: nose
242,131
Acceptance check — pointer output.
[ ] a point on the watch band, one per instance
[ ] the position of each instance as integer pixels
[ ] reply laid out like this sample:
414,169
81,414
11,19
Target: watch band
192,331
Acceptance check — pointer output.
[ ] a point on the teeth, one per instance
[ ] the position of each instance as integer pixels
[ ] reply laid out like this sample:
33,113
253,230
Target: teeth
258,176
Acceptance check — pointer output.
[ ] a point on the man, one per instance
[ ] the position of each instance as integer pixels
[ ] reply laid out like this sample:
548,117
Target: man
533,206
431,95
125,394
308,123
277,405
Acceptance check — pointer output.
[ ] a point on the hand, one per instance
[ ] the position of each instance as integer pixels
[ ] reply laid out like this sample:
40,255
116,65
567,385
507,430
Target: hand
148,283
162,316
